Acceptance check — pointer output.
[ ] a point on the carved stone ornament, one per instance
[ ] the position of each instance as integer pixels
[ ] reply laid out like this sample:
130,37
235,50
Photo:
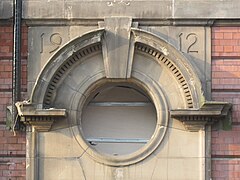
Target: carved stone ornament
209,113
120,51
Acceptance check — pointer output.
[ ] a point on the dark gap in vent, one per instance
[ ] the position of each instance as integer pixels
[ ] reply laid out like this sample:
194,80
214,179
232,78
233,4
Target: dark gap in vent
69,63
54,81
179,74
76,56
82,53
66,66
88,50
60,71
180,78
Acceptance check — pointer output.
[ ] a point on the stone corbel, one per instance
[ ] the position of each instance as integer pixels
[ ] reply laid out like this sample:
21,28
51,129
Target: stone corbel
209,113
40,119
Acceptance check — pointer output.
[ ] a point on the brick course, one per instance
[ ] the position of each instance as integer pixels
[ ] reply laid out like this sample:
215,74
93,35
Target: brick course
12,146
6,41
225,41
226,169
226,87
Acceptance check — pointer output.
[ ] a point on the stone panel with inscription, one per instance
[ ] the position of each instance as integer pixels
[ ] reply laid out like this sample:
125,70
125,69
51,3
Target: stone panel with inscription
44,42
194,43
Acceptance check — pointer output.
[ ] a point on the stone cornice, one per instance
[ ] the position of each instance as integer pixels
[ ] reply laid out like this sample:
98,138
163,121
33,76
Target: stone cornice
165,9
141,22
40,119
209,113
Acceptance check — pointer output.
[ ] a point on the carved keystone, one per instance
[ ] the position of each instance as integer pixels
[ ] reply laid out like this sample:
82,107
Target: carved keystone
40,119
209,113
117,53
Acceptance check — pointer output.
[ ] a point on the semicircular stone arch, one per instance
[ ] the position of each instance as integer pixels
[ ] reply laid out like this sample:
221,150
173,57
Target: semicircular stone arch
95,50
75,60
79,50
161,59
59,63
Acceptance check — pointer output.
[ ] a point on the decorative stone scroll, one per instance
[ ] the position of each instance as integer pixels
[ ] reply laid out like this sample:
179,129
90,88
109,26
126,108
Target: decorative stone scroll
209,113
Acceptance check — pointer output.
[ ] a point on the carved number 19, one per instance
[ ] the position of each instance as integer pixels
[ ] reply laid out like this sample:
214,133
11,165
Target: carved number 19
55,40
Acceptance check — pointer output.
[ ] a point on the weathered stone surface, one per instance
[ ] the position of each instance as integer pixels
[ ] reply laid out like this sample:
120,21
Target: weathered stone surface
176,143
6,9
157,9
209,113
159,68
76,9
53,144
116,49
67,168
40,119
43,42
206,9
186,168
43,9
76,31
193,44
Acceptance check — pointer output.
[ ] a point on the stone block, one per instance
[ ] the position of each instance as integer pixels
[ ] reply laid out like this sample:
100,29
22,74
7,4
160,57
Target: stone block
116,51
184,144
53,145
158,9
76,31
6,9
43,9
43,42
67,168
186,168
206,9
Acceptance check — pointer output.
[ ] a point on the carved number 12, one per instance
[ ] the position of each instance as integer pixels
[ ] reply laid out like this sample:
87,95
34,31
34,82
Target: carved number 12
192,37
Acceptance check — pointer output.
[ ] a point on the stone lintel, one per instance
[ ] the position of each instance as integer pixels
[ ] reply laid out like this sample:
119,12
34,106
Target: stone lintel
209,113
115,46
165,9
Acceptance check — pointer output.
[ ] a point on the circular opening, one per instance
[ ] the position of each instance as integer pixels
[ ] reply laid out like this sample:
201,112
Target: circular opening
118,119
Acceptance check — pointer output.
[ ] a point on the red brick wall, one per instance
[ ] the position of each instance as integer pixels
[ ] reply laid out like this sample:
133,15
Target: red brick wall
226,87
12,147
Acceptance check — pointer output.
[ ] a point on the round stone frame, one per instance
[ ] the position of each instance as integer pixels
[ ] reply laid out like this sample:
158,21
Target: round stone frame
154,92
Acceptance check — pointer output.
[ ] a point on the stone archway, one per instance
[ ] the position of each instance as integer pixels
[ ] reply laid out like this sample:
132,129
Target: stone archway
119,55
